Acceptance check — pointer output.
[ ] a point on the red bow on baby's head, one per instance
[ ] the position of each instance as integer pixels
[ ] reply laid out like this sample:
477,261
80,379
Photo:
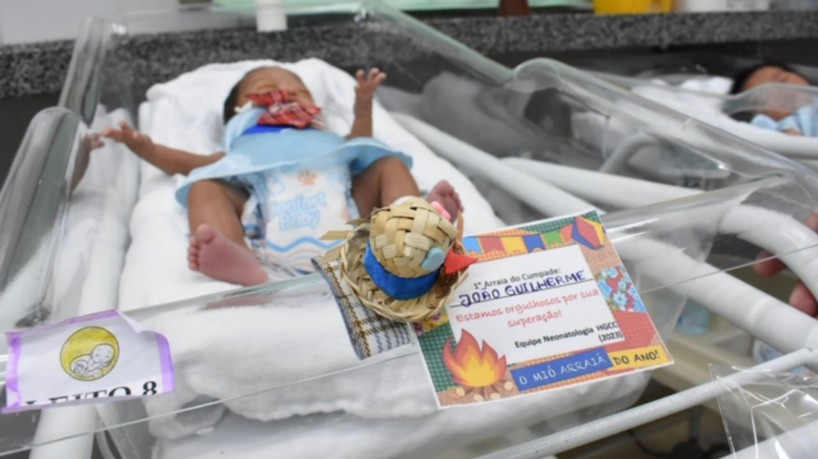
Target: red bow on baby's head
282,111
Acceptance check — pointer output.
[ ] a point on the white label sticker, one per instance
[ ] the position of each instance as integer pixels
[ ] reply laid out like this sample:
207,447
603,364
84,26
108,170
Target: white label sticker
88,358
519,303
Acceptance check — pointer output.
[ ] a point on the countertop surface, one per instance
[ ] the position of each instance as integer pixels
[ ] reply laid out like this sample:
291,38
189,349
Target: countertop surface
567,32
40,68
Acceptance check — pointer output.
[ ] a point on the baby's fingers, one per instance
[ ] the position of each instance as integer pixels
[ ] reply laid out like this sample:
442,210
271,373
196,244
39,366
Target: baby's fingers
768,266
376,76
126,128
115,134
812,222
95,141
803,300
368,79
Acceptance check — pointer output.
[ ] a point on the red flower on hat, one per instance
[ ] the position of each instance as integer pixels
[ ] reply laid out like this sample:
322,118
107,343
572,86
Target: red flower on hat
456,262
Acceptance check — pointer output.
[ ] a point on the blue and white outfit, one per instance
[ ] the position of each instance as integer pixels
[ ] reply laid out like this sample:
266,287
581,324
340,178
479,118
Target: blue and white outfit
299,181
803,120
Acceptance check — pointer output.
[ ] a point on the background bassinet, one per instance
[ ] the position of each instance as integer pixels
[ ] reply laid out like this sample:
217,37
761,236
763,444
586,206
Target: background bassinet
66,235
705,96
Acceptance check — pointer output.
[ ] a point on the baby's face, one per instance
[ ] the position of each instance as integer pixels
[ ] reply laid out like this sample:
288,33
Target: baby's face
103,353
268,79
780,102
772,74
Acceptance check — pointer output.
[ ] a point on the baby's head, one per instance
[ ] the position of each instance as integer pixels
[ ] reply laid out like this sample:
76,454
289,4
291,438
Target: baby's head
102,353
766,73
263,80
778,103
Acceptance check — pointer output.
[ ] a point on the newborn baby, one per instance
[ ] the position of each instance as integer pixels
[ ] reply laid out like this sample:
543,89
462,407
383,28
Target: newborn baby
791,112
281,179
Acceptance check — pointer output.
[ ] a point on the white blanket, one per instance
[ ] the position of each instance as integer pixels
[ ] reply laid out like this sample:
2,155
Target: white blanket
698,97
224,354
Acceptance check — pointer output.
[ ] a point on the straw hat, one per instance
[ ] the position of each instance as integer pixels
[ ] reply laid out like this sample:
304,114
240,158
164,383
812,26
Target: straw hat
405,262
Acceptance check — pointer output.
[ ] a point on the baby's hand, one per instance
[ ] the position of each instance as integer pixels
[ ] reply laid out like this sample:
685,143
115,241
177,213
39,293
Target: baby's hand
92,141
140,143
800,297
365,91
795,132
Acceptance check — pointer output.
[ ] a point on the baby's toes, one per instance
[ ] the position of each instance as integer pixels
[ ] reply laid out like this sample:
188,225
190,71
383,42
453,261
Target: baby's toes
456,198
193,261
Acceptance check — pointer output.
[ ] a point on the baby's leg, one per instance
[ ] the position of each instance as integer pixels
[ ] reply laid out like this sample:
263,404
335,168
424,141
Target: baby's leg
388,179
217,247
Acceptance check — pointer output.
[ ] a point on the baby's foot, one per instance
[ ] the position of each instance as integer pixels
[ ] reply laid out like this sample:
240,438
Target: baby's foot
803,300
443,192
216,256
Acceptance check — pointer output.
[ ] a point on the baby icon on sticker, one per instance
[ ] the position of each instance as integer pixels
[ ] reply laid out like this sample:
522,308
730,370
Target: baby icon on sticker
89,354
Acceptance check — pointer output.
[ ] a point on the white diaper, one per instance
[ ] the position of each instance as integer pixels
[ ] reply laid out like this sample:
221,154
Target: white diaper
289,209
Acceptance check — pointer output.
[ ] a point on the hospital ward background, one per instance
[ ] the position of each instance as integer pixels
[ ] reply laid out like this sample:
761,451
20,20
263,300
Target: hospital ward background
604,244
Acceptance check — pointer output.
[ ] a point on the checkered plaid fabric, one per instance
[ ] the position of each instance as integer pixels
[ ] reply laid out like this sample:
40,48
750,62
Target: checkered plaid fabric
282,111
369,333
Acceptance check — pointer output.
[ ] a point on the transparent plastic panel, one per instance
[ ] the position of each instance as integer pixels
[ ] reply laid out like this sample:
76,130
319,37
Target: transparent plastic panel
66,208
33,203
684,204
557,124
678,67
764,99
706,99
772,417
726,386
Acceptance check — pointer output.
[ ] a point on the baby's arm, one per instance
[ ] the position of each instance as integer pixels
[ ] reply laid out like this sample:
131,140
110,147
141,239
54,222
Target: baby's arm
364,92
790,125
169,160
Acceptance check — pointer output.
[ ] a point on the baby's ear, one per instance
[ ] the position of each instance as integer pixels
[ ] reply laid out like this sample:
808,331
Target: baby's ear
247,105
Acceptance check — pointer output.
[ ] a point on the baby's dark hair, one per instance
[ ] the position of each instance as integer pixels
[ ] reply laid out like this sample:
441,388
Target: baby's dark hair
229,109
740,79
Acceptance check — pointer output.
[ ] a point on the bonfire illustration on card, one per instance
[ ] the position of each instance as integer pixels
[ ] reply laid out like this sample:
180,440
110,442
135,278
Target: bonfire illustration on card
479,372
